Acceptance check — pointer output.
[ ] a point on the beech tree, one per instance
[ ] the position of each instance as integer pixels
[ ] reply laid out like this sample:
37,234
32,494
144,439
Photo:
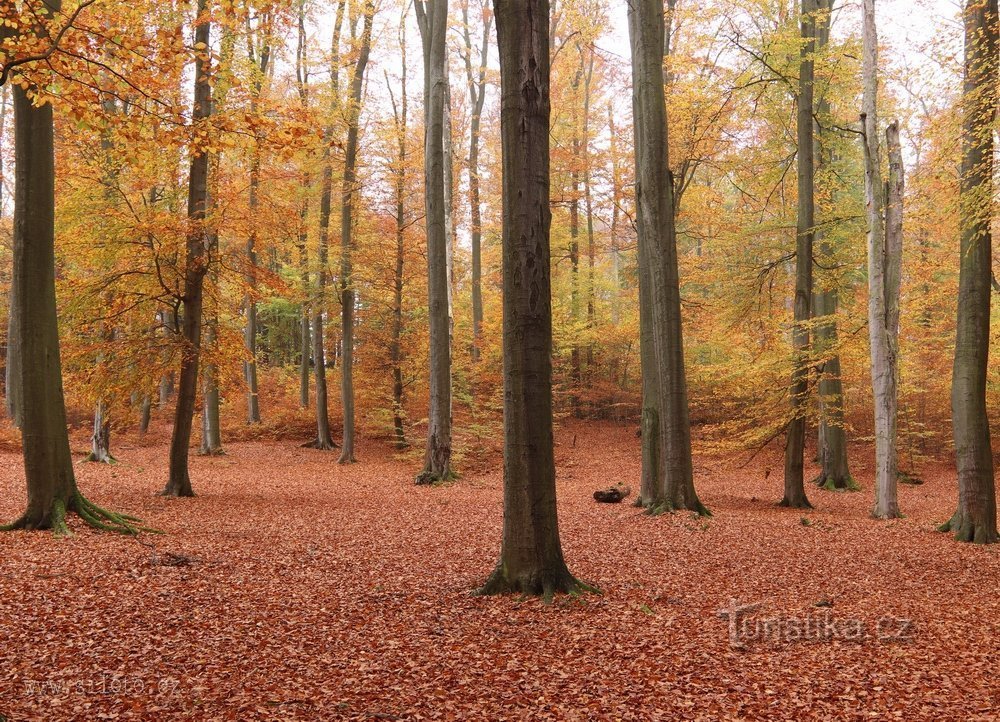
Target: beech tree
432,19
531,558
975,519
36,381
348,191
668,478
323,439
196,263
832,438
795,494
885,258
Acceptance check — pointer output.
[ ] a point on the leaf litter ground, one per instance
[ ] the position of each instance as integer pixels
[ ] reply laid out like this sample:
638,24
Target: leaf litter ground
294,588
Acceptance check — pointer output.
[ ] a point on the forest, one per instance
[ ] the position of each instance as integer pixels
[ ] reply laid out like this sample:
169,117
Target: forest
498,359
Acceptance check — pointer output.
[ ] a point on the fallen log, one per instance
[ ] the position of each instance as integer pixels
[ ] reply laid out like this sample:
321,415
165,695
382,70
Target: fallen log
612,495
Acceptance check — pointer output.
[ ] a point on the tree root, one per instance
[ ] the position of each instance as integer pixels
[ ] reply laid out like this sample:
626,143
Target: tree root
802,503
429,478
668,507
322,445
967,531
218,451
535,584
92,457
831,483
93,515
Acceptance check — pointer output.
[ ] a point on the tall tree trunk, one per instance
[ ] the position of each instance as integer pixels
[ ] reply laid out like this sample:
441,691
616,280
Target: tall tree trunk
196,264
975,520
323,439
531,558
795,494
400,115
302,85
347,292
589,210
304,335
432,19
884,270
145,411
674,484
574,252
261,61
37,383
832,438
477,98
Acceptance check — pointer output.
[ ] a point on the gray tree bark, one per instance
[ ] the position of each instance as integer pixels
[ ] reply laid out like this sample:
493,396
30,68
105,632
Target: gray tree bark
432,17
261,60
795,494
832,437
884,270
347,293
665,418
975,519
323,439
531,558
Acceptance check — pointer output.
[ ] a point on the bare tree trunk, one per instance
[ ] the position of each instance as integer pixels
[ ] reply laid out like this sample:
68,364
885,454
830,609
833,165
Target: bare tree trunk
477,99
346,234
975,520
145,411
400,115
196,264
674,486
432,18
323,439
832,437
302,85
261,60
531,558
884,269
795,494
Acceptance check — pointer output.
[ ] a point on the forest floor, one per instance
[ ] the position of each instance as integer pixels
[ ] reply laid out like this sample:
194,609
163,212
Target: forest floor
294,588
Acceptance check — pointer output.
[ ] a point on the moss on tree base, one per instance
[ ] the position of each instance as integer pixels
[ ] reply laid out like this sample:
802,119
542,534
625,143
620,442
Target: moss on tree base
832,483
966,530
94,516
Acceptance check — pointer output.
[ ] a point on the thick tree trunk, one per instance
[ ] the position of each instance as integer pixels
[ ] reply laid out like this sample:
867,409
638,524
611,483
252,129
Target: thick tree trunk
975,519
195,267
884,269
346,234
658,252
832,437
531,558
433,21
795,494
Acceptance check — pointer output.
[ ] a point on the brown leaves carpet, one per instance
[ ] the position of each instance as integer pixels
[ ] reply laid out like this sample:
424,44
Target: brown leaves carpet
293,588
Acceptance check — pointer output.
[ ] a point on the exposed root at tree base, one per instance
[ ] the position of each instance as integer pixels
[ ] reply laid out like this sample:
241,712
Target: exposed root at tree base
430,478
108,459
219,451
327,445
536,584
966,530
832,483
668,507
802,503
93,515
